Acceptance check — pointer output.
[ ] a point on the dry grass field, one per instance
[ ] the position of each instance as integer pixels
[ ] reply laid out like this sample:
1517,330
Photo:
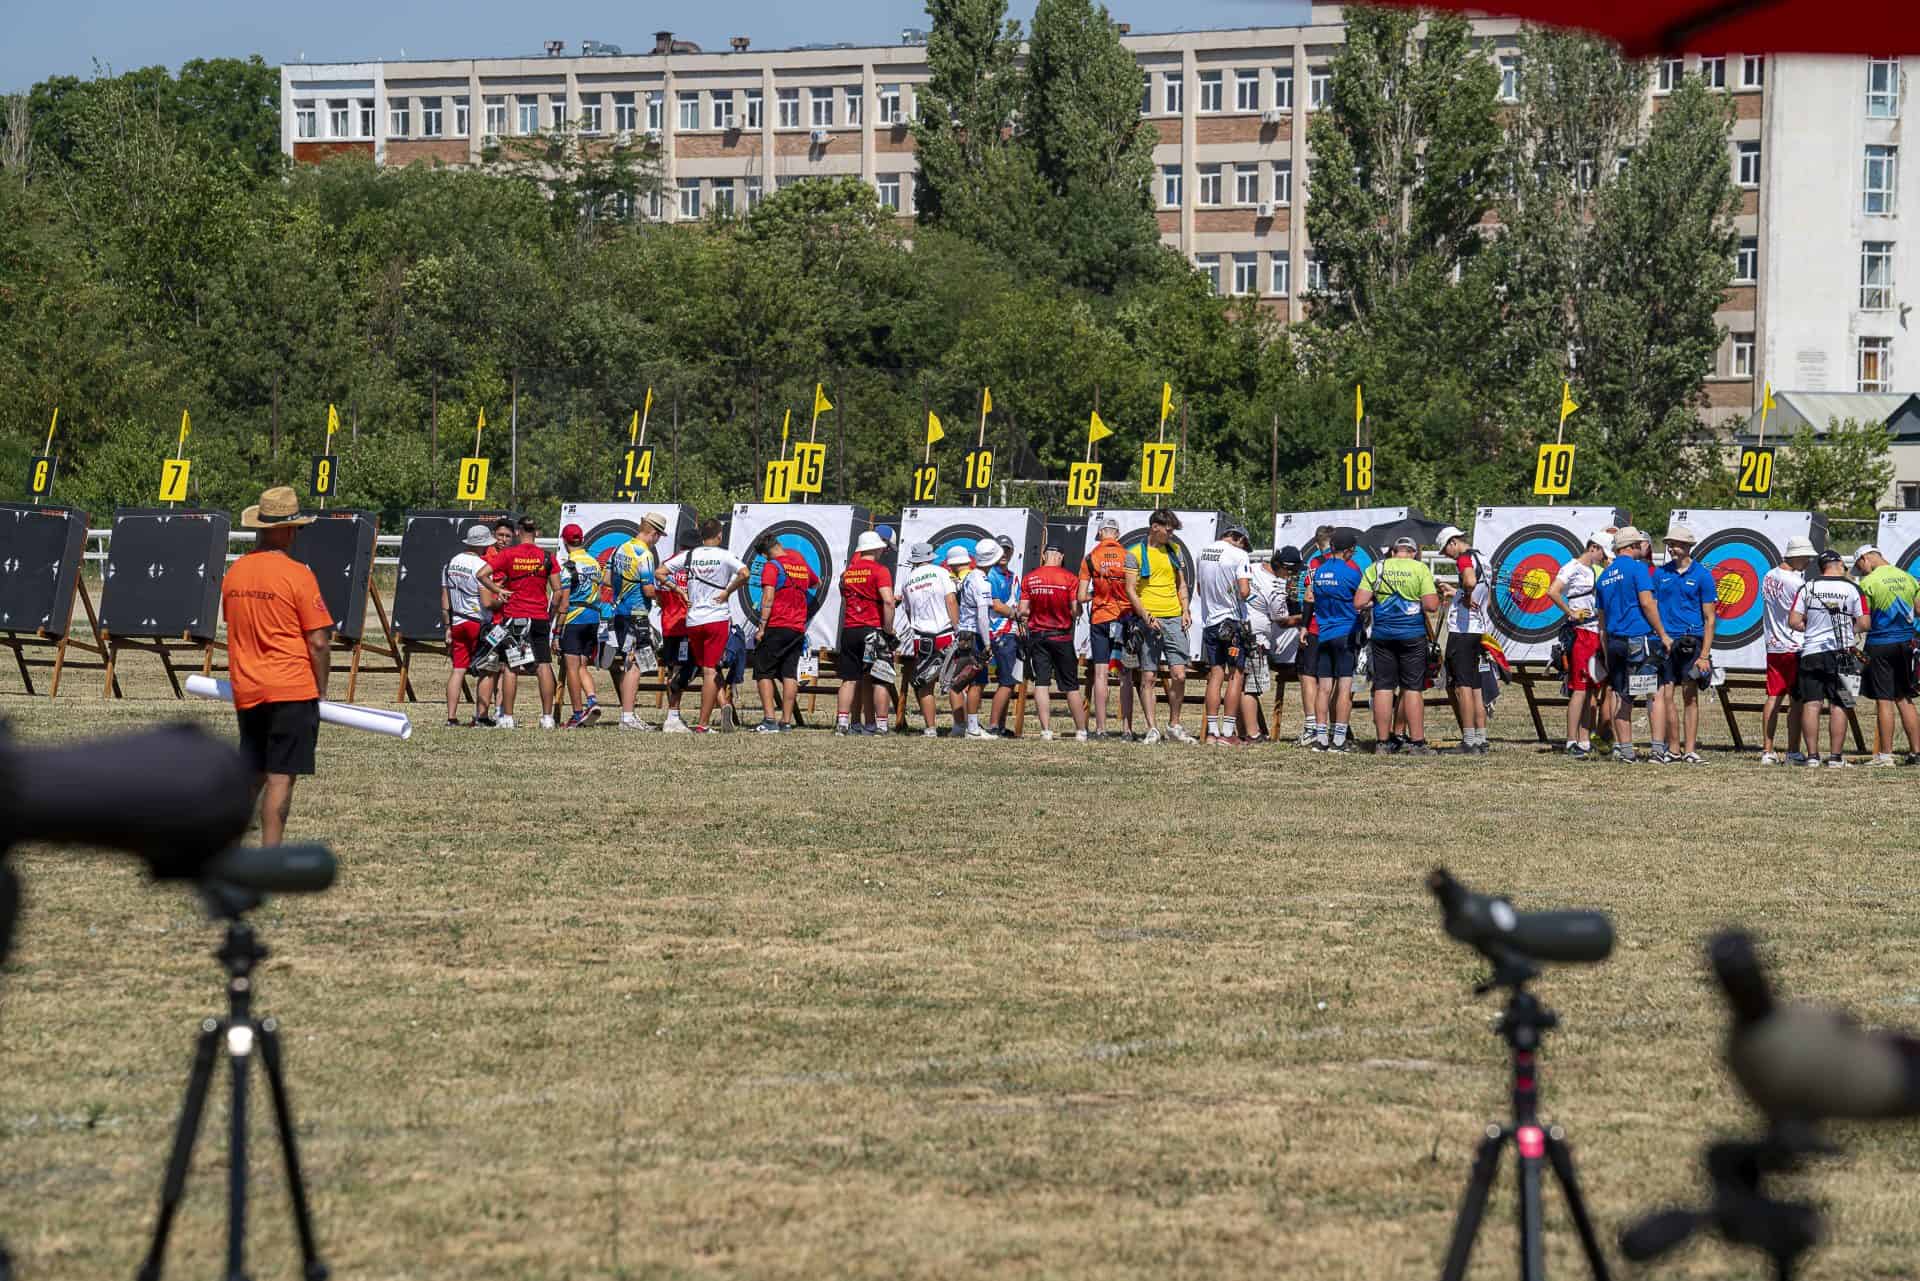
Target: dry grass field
586,1005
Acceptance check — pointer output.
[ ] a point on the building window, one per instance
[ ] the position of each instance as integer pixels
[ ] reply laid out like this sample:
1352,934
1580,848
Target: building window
656,111
306,120
1621,159
687,117
626,117
1283,88
754,190
557,114
590,117
1876,364
1173,94
1876,275
1209,185
430,120
1246,273
397,123
888,185
890,104
1246,185
822,107
723,197
654,205
1666,75
1748,171
1753,71
690,201
1146,93
1883,88
1316,274
338,119
1909,497
1209,266
1320,89
1746,263
789,102
1882,174
1246,89
1714,72
1212,92
722,104
855,106
624,206
462,120
1743,355
364,109
756,110
1283,183
496,109
1170,187
1282,274
527,109
1510,78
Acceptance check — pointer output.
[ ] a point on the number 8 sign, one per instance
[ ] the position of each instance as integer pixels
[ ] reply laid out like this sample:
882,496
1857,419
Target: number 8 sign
326,475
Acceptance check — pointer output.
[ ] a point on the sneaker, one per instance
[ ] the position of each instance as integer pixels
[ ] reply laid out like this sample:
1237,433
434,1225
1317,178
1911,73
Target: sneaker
1307,739
453,722
635,724
576,720
1080,736
1660,756
929,732
484,722
1151,737
1257,740
592,713
1417,749
1883,761
699,729
546,722
1318,746
1383,749
728,721
505,722
1768,758
1178,733
1575,752
1624,755
841,731
1798,758
1913,758
1046,736
1839,762
1694,758
980,731
1344,746
773,727
1809,762
675,725
1125,736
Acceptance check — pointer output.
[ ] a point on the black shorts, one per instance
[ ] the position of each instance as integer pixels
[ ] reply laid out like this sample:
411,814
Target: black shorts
582,640
278,738
1050,658
1620,664
850,661
1888,674
1220,647
1309,649
1399,663
1333,660
1677,667
777,656
679,659
632,625
1819,680
539,639
1465,655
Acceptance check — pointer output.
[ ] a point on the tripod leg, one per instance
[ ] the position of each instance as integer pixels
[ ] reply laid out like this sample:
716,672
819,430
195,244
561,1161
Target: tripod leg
184,1134
1562,1157
1486,1164
241,1058
1533,1235
312,1268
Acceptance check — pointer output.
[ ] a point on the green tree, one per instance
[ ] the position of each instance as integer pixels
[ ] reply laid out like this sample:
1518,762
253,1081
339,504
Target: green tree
1843,473
962,134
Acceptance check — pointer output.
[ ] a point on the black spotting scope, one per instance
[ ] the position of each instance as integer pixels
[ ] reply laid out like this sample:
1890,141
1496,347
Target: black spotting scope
1495,929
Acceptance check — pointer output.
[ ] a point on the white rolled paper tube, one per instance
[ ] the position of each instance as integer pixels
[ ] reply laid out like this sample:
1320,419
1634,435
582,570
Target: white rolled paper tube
373,720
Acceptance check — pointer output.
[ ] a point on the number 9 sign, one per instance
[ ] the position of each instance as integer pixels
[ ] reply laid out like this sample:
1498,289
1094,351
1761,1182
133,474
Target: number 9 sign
473,480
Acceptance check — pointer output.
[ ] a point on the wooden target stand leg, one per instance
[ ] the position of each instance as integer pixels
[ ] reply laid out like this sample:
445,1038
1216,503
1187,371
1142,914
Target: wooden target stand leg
384,645
164,648
61,645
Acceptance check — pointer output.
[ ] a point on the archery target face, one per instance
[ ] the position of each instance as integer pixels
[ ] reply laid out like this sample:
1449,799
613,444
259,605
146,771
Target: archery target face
1909,559
822,534
1523,569
1738,559
812,549
950,527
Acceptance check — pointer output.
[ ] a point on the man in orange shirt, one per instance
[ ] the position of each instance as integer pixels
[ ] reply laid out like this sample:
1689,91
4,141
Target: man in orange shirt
1103,583
279,642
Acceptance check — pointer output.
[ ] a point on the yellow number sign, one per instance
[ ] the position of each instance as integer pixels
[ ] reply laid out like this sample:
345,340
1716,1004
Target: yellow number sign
1356,472
636,470
1553,474
926,482
173,479
40,477
1156,468
326,475
473,480
810,465
1083,485
979,470
779,484
1756,471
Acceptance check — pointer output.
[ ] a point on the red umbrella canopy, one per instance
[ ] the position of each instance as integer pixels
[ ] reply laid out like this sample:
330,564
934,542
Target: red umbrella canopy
1643,27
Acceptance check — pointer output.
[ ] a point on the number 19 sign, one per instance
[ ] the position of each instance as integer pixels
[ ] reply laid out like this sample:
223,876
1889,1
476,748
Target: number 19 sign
1553,474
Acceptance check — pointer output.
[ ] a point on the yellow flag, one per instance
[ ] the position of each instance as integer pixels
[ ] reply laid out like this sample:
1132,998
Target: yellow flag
1566,402
785,425
820,402
649,405
1166,402
1096,430
186,426
1767,402
633,429
986,401
935,432
333,423
482,424
1359,405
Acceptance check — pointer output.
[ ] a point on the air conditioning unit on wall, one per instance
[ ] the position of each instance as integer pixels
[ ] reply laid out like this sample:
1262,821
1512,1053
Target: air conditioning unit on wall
1272,116
819,137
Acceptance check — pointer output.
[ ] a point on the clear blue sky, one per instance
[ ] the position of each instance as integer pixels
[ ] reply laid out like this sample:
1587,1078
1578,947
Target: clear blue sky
67,38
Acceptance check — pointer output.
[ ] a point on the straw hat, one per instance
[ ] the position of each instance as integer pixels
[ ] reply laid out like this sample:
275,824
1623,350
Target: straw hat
278,506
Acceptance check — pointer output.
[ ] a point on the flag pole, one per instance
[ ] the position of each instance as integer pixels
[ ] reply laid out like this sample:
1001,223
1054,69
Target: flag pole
986,398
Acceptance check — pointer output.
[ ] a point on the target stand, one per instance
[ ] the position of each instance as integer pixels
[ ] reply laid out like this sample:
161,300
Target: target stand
42,553
24,644
166,649
1745,693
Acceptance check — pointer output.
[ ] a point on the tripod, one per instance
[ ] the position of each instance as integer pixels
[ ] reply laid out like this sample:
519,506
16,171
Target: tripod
241,1032
1741,1212
1521,1025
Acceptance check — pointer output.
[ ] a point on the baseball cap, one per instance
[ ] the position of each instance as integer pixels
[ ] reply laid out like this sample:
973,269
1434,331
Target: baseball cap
1236,531
886,533
655,519
1407,541
1868,550
478,536
920,554
1680,534
572,534
1602,539
1343,540
1797,546
986,553
1448,534
1831,557
958,555
1106,523
870,542
1288,556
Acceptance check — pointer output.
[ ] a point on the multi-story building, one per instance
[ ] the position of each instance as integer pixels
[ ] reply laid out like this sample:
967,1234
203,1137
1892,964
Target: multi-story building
1231,109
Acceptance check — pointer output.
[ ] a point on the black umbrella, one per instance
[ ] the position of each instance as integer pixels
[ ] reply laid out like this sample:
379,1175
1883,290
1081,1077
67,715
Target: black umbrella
1415,526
